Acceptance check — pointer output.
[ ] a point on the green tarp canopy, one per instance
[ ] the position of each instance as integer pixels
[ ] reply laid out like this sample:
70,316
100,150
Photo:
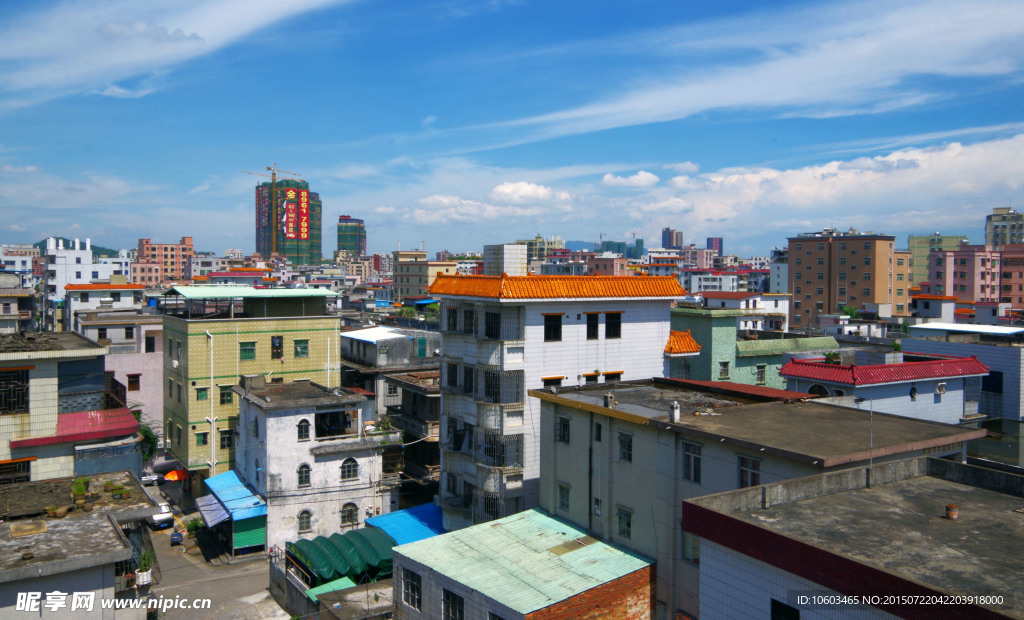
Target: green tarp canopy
351,554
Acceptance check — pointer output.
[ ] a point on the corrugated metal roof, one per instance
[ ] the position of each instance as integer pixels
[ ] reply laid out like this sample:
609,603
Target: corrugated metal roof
522,561
82,426
778,347
878,374
212,510
235,292
235,496
557,287
371,334
681,343
412,524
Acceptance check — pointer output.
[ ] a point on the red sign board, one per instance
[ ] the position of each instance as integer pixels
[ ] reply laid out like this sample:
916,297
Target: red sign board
303,214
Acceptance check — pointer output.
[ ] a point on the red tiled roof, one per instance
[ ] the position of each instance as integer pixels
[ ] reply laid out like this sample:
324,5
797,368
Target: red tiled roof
681,343
82,426
104,287
727,295
879,374
557,287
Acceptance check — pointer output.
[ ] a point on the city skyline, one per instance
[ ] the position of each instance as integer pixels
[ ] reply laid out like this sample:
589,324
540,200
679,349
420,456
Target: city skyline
464,123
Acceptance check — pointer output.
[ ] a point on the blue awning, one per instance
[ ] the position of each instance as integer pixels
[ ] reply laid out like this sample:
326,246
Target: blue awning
411,524
212,510
239,501
427,302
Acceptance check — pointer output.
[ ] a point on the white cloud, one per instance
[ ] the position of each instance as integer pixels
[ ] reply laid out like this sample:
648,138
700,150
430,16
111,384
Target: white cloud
118,92
17,228
685,167
521,192
19,169
640,179
199,188
385,210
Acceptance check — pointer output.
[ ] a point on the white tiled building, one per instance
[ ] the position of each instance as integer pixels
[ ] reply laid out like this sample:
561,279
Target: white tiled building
503,335
309,453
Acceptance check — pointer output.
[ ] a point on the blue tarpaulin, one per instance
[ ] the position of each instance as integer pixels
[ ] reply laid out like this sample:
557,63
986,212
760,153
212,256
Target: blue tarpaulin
239,501
411,524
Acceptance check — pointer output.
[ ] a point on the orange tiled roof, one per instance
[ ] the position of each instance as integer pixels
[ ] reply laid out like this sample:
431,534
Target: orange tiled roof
556,287
104,287
681,343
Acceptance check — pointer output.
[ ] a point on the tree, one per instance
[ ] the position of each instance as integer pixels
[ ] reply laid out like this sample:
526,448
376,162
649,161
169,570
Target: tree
149,438
850,311
407,313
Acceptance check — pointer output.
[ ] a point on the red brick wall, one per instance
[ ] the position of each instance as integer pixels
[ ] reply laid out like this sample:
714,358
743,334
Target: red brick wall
631,596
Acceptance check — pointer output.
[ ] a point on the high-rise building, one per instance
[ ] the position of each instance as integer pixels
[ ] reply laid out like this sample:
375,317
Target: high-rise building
671,239
162,262
715,243
538,247
921,245
830,269
351,235
289,222
1004,225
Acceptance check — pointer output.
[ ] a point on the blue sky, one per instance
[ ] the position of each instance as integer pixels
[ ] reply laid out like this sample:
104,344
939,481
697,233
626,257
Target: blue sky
465,122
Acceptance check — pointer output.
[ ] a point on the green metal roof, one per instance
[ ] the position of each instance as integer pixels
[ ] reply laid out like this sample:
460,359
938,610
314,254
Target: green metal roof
746,348
527,561
235,292
330,586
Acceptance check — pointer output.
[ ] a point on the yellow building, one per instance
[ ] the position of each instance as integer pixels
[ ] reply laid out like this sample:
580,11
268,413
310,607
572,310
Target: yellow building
213,335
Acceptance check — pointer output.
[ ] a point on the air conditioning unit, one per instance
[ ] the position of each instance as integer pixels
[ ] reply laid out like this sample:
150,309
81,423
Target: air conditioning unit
940,388
174,363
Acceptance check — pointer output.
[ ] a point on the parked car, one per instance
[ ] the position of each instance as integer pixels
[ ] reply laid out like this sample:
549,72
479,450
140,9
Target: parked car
164,518
150,480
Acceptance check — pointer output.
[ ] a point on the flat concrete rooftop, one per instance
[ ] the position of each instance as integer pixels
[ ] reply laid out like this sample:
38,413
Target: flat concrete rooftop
808,431
26,341
298,394
80,539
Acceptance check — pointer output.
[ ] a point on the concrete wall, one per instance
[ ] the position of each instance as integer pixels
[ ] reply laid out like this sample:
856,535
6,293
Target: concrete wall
150,395
98,580
475,604
929,404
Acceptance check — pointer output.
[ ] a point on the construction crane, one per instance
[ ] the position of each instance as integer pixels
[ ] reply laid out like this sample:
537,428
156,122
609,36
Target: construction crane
273,197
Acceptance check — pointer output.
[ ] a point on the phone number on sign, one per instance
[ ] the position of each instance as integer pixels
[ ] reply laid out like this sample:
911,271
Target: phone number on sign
839,600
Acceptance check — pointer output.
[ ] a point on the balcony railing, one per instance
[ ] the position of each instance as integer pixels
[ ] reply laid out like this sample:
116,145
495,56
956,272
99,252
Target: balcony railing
429,429
494,416
460,505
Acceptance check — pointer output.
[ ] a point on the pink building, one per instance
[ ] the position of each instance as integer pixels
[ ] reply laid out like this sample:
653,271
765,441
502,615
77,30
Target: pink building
970,272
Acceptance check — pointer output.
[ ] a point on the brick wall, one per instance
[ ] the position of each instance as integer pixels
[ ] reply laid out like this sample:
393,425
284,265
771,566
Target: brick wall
631,596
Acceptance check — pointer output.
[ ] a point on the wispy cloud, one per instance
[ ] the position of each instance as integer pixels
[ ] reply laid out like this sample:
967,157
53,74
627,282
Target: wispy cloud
640,179
84,46
848,58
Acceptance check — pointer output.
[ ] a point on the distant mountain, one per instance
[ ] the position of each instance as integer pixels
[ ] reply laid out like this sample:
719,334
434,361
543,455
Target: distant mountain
98,251
579,246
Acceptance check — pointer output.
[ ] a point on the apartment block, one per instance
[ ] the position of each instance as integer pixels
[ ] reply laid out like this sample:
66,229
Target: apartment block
921,245
504,335
162,262
970,272
1003,226
213,335
831,269
619,461
413,273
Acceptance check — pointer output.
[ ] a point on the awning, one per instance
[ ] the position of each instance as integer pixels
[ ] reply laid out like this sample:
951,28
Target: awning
351,554
411,524
240,502
330,586
212,510
426,302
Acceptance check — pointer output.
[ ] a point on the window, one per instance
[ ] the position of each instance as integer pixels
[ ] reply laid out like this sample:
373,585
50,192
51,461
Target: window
453,325
255,428
691,548
276,347
761,373
13,391
563,497
562,429
302,348
592,326
303,475
302,430
178,385
246,351
468,380
468,322
992,383
782,611
129,333
625,518
392,389
723,370
78,276
115,296
691,462
492,386
612,376
78,260
202,439
452,606
349,469
95,275
613,325
597,432
134,382
101,333
170,388
412,589
202,393
349,515
553,381
750,472
226,395
492,325
590,378
626,447
227,439
552,328
304,519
